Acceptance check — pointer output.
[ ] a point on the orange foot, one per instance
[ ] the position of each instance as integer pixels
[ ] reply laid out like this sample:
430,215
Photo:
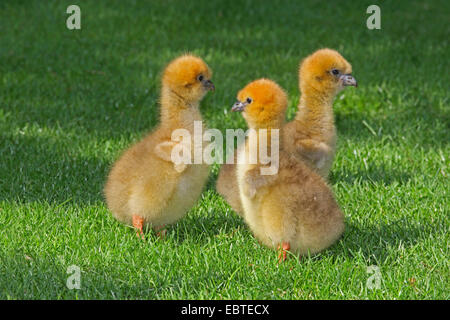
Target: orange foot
284,247
161,231
138,223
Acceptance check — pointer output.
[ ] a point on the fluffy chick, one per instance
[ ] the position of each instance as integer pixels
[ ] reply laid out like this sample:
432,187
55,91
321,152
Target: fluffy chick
144,186
293,209
311,136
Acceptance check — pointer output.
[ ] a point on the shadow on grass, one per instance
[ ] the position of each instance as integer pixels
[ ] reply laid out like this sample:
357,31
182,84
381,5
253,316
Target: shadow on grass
205,222
39,169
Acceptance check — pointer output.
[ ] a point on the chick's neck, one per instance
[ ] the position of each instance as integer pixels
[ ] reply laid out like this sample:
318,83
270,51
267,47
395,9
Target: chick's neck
315,109
176,111
270,128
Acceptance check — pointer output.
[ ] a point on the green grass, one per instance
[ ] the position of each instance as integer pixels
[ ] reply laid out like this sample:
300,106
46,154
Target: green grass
70,101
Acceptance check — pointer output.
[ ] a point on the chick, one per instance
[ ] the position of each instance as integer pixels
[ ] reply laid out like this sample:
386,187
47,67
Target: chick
311,136
293,209
144,186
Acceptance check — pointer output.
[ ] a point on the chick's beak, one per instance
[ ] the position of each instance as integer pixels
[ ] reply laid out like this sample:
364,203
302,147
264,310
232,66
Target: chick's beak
348,80
209,85
238,106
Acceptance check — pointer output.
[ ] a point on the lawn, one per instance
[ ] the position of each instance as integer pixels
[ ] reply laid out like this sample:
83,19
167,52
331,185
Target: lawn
71,101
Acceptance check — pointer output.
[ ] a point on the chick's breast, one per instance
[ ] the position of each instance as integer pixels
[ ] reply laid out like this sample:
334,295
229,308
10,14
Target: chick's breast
188,189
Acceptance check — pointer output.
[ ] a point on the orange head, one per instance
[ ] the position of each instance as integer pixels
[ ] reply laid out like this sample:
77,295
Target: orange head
263,103
326,72
189,77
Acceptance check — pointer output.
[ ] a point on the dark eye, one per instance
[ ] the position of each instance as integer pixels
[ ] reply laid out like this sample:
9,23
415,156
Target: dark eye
249,100
335,72
200,78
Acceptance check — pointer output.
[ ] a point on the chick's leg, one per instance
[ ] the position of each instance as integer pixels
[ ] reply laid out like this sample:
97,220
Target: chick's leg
283,248
138,223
